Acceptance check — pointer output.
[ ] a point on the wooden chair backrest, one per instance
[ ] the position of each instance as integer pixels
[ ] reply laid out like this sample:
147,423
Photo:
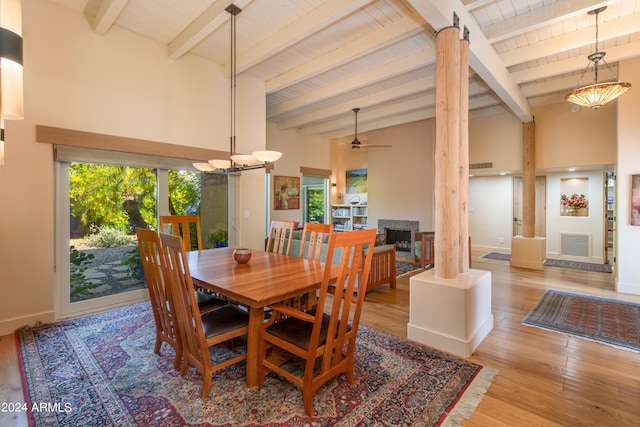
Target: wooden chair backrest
180,225
280,237
178,279
315,233
348,293
162,300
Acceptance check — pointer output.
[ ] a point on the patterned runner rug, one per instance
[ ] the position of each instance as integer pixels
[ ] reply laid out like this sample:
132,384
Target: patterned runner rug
100,370
607,321
576,265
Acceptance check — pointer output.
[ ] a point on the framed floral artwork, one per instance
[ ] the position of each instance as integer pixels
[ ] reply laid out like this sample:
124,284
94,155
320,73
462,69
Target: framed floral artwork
574,200
635,199
286,191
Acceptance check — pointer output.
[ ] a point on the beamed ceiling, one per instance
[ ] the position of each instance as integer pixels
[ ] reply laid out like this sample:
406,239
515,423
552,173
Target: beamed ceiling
321,58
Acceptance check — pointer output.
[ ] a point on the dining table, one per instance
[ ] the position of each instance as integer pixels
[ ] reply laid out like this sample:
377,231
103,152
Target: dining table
267,278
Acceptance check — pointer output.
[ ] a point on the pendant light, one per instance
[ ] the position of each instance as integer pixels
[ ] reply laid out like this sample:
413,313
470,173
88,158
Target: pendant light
11,94
599,93
238,162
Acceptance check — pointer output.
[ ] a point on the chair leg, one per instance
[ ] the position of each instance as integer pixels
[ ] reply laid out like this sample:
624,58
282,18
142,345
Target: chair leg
307,399
178,359
206,384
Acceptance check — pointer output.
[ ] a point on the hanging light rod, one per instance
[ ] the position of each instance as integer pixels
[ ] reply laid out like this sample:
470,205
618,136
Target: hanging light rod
238,162
599,93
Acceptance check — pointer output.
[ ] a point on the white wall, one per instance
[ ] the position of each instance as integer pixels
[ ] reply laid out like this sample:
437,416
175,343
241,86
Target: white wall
491,213
401,178
627,237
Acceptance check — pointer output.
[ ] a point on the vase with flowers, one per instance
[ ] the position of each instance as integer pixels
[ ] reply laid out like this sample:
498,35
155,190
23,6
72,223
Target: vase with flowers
572,205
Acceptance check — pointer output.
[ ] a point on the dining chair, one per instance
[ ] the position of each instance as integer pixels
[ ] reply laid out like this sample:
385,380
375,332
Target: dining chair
162,302
181,225
329,334
316,234
280,237
199,331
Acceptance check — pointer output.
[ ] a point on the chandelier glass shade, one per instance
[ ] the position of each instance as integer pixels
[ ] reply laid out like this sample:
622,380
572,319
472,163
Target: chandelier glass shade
237,162
599,93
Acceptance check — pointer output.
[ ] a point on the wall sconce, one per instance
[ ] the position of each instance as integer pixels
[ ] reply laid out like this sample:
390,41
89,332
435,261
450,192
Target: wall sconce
11,98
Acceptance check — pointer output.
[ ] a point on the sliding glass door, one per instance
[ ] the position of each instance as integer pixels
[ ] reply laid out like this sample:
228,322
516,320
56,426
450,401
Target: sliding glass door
98,209
315,199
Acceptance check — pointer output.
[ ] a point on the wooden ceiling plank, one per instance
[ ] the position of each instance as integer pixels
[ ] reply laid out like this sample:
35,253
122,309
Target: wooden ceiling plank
385,71
614,54
608,30
397,31
321,17
540,17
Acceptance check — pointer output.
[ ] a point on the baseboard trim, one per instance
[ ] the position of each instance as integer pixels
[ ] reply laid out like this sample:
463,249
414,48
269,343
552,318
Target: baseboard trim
9,326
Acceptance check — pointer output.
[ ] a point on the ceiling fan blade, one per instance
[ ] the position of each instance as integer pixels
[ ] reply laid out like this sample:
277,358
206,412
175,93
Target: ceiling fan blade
371,146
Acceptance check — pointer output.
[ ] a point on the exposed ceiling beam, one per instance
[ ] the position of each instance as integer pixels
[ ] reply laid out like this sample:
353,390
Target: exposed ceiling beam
540,17
385,71
614,54
209,21
389,95
106,15
388,35
482,57
562,43
309,24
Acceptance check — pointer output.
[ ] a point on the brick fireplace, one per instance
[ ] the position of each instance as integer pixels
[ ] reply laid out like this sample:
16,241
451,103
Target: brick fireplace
400,232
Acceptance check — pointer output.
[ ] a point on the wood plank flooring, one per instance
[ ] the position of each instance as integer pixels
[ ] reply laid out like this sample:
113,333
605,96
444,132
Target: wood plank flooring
544,379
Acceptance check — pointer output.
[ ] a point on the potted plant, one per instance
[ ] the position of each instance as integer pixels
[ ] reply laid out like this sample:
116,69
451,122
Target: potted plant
219,238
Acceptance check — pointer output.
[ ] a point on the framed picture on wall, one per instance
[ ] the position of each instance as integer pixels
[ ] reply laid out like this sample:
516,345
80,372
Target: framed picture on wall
286,192
635,199
356,181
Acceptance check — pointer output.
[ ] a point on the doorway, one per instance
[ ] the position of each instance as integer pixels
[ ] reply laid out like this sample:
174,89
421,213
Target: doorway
541,206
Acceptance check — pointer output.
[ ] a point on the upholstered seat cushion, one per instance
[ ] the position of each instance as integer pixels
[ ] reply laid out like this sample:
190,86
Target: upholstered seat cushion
222,320
208,301
298,332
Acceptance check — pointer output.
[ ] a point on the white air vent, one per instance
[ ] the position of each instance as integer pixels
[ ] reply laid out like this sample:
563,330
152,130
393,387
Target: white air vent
575,244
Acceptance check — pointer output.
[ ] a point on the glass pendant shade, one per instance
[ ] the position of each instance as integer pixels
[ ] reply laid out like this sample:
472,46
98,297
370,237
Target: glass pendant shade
11,58
267,156
244,159
596,95
203,167
220,164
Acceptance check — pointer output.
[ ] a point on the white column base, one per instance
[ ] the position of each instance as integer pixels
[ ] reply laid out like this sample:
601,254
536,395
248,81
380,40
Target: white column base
528,252
453,315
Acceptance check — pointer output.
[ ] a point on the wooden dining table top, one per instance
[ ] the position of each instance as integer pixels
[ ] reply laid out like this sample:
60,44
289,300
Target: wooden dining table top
266,279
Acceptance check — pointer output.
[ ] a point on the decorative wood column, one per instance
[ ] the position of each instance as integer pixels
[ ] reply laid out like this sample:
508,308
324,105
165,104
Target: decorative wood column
529,180
451,154
450,310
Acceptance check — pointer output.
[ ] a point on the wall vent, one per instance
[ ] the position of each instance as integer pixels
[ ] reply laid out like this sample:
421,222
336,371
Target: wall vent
575,244
486,165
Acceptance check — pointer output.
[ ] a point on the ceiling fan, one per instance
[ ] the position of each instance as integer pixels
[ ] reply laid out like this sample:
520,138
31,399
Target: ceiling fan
356,144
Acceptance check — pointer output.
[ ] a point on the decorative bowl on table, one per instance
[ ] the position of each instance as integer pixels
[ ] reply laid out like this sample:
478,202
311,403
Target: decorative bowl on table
242,255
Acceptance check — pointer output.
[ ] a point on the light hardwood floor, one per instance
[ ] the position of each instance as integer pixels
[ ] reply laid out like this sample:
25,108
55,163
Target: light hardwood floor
544,379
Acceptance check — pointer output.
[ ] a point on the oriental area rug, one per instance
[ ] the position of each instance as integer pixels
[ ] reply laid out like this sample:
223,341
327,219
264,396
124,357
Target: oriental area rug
607,321
100,370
